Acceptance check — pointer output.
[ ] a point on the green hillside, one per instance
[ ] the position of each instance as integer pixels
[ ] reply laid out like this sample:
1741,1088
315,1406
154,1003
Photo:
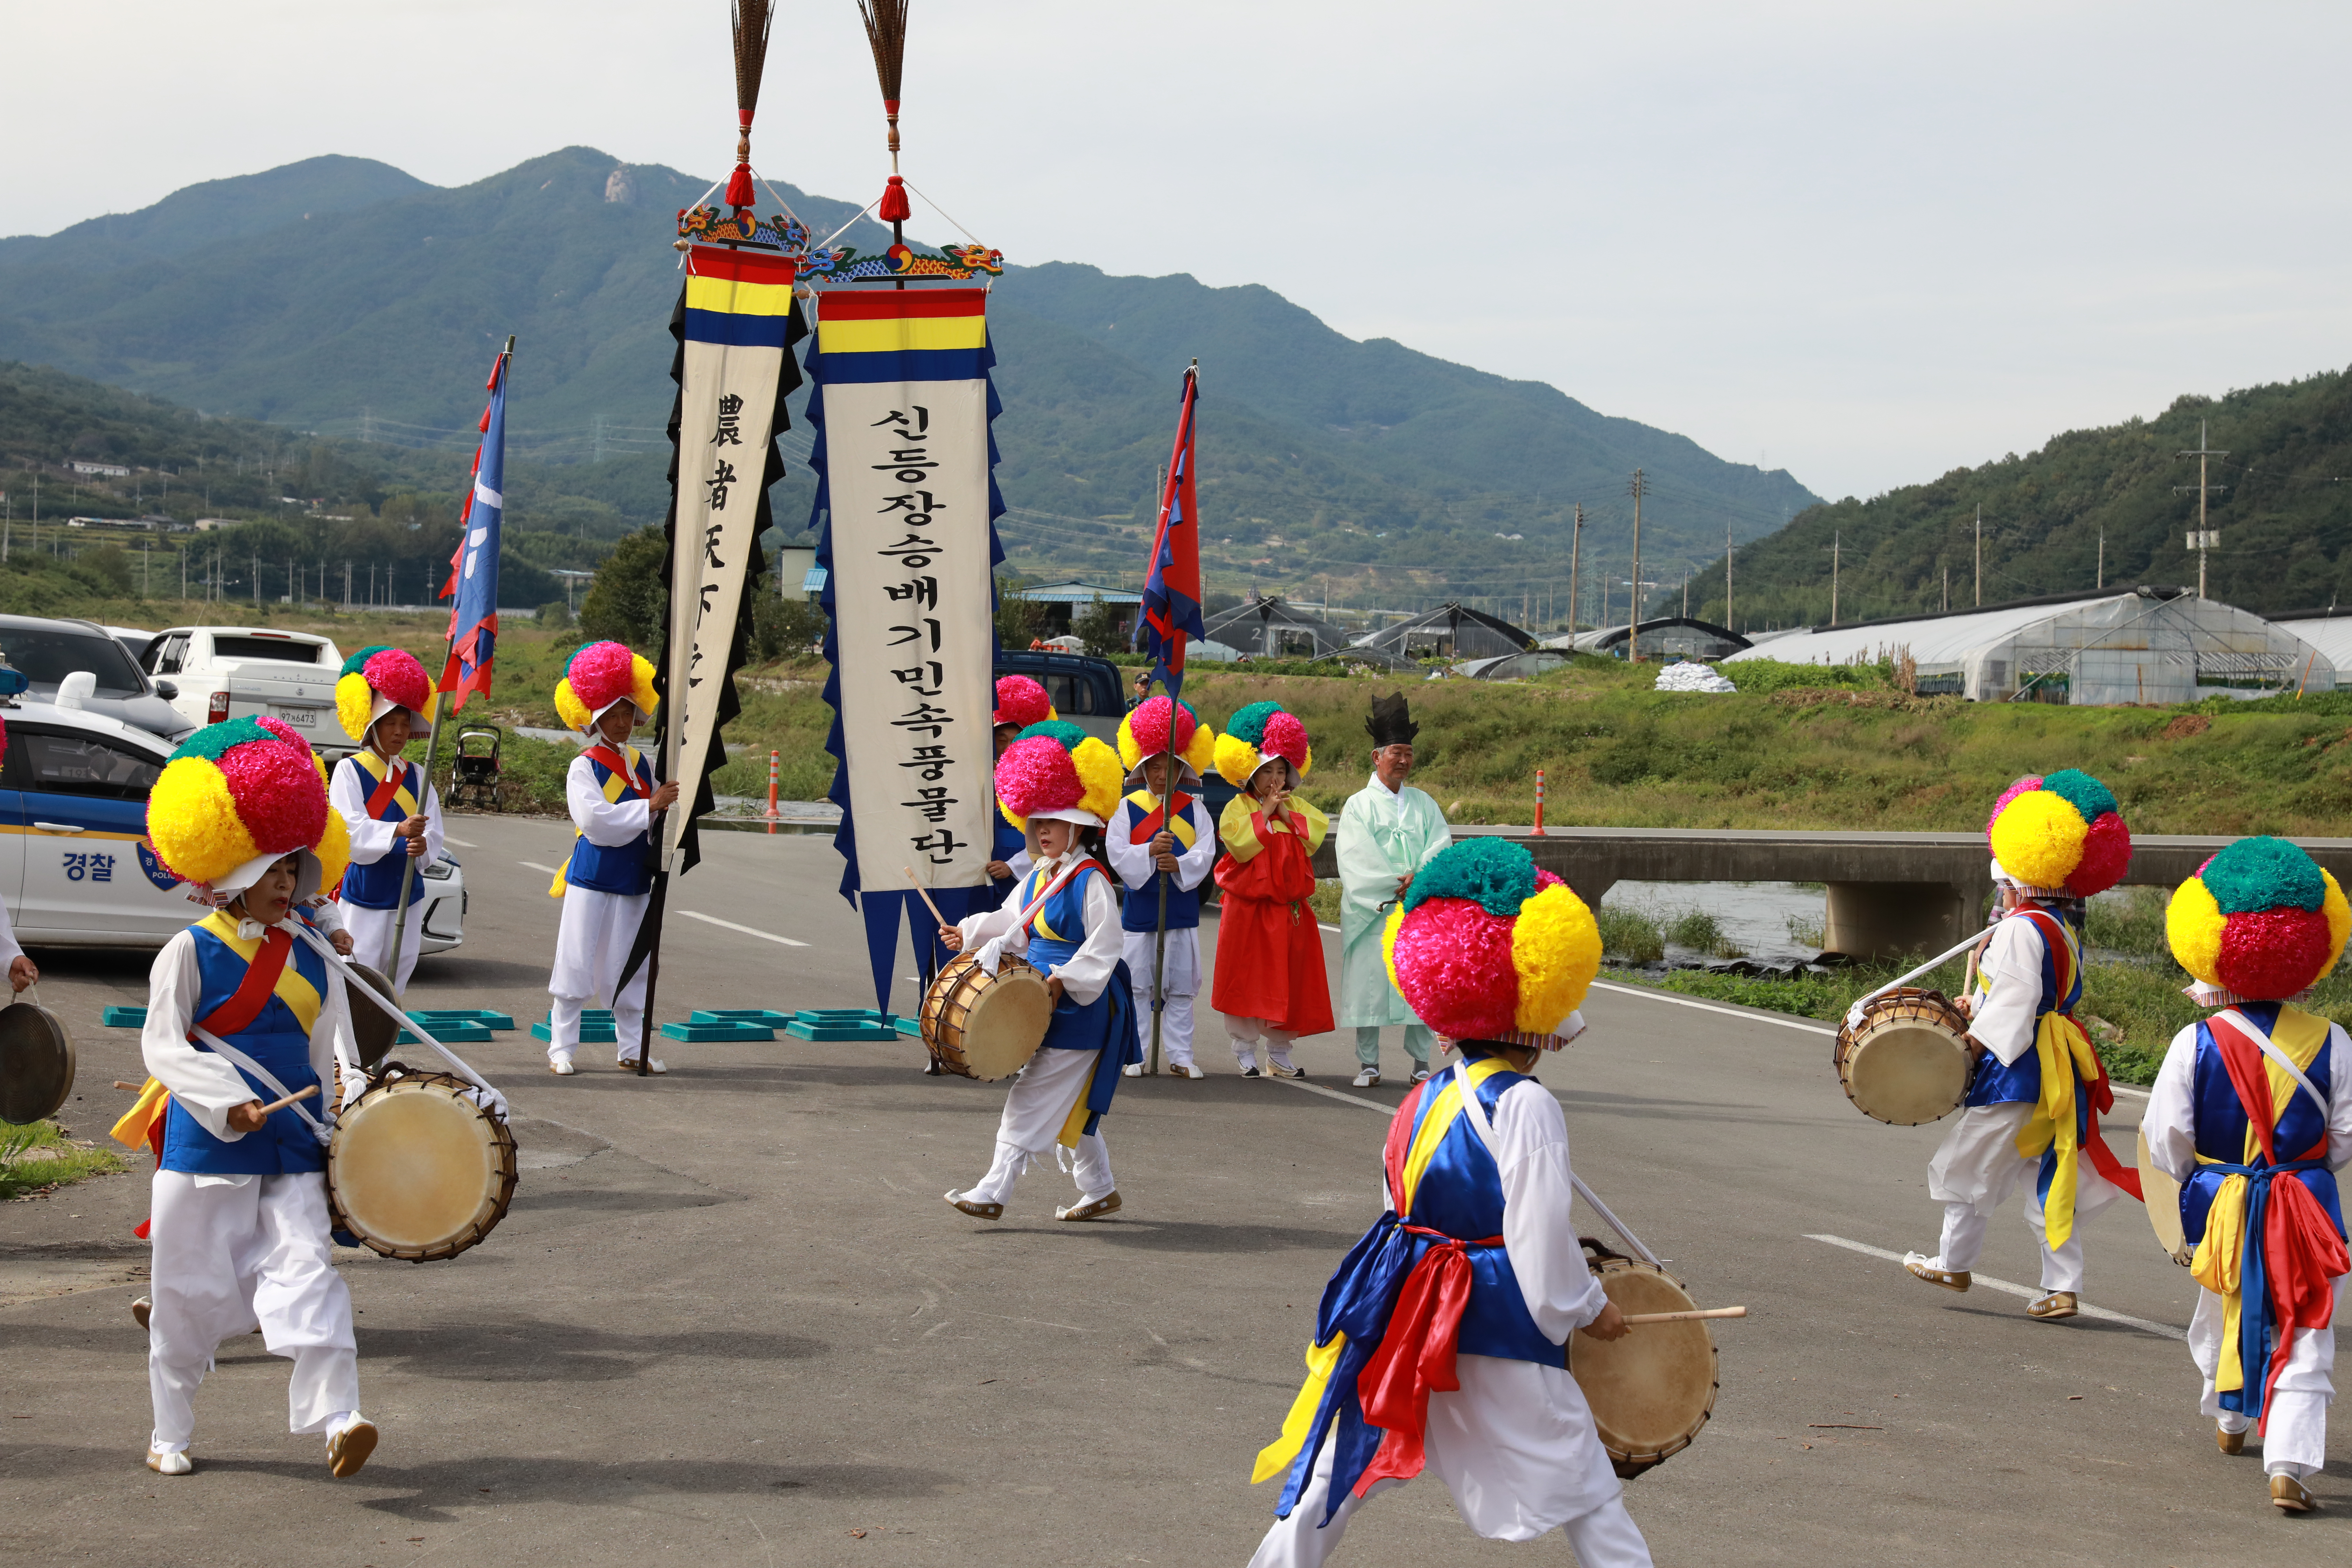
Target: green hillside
339,296
2285,517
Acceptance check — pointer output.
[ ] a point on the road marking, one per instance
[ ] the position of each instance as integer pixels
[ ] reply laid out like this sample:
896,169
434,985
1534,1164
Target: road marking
535,866
1333,930
1342,1098
460,843
746,931
2165,1330
1711,1007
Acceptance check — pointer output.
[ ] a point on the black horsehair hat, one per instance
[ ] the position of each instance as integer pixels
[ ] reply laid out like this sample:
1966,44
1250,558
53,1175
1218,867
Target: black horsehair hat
1391,721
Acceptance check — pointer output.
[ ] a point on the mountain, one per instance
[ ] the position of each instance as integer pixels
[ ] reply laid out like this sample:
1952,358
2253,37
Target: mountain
2114,505
343,297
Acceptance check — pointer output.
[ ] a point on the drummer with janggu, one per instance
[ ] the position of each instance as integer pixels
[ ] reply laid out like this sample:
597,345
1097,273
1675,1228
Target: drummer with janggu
241,1011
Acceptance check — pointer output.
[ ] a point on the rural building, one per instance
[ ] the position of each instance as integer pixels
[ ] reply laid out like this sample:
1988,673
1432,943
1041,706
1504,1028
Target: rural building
1665,638
1449,631
1269,628
2148,644
101,470
1063,601
2328,630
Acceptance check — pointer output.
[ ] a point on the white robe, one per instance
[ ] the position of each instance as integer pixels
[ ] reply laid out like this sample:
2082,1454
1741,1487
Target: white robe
1383,834
372,841
597,930
233,1253
2296,1442
1516,1445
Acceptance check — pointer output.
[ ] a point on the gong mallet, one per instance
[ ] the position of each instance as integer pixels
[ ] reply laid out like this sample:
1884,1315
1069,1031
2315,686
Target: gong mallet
1687,1316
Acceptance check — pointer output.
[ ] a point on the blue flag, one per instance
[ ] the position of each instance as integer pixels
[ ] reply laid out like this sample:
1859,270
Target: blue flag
473,569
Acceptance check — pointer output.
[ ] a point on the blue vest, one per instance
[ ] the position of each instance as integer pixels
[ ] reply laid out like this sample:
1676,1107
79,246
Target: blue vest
2221,1124
625,868
1140,911
376,886
278,1040
1998,1083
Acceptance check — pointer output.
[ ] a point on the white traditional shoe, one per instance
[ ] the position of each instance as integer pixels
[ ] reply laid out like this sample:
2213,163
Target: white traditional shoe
2290,1494
1920,1268
1369,1079
1185,1069
2055,1306
655,1068
1281,1069
561,1069
1419,1075
176,1463
977,1210
1107,1204
348,1448
1132,1069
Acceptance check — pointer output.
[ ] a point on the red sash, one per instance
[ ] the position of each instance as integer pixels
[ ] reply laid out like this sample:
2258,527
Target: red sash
253,993
395,775
614,762
1147,828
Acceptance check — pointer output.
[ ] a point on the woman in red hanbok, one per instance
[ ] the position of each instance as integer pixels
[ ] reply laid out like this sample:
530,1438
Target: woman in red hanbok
1270,983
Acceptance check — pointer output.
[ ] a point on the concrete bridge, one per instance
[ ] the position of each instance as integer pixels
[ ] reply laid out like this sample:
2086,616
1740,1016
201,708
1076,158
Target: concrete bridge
1889,893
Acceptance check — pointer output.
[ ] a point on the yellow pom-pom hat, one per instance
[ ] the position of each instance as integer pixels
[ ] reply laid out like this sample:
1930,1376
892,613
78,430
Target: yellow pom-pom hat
2259,923
600,675
1143,735
373,682
2059,836
1484,946
239,796
1259,732
1056,771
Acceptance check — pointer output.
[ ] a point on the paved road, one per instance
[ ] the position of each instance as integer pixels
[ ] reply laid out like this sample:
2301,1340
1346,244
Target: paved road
730,1322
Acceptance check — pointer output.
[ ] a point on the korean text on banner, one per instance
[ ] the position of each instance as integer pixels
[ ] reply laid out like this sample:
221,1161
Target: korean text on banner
737,311
906,412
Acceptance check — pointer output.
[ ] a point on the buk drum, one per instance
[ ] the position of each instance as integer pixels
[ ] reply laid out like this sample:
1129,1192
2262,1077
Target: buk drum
1907,1061
2162,1196
36,1062
982,1026
1650,1391
417,1169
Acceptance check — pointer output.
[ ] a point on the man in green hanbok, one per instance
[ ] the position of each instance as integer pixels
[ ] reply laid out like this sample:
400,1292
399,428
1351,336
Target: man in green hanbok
1388,832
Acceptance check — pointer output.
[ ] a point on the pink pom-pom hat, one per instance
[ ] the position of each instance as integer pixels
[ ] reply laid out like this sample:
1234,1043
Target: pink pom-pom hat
1021,702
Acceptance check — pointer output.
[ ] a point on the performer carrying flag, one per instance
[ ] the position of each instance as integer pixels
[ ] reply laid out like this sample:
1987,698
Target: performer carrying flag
1172,615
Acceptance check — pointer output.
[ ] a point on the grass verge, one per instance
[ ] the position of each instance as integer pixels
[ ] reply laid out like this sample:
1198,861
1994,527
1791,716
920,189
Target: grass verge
37,1157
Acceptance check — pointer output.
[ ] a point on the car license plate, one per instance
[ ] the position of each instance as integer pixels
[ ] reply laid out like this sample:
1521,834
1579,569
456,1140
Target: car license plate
301,717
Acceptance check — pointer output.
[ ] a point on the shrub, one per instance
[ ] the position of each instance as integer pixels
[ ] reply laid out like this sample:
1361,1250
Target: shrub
555,617
1630,936
1754,677
625,601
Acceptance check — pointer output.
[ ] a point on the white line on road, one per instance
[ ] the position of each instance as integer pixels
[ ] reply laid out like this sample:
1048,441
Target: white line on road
2165,1330
1333,930
1711,1007
535,866
746,931
460,843
1342,1098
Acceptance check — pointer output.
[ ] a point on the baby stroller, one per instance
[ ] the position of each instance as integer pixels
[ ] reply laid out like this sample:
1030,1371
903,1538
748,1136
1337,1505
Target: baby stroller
474,774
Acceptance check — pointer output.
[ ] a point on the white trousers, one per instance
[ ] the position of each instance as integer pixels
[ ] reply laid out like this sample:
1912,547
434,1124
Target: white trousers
591,943
1976,1168
370,933
1248,1033
1036,1108
1603,1536
2297,1443
229,1257
1181,976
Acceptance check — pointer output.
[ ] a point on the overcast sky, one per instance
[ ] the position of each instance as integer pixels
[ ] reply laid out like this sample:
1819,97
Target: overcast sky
1867,242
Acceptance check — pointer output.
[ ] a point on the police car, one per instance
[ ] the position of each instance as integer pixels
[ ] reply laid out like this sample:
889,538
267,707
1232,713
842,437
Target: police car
75,864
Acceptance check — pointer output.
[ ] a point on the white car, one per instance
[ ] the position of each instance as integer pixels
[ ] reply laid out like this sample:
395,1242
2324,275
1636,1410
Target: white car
251,672
51,651
75,864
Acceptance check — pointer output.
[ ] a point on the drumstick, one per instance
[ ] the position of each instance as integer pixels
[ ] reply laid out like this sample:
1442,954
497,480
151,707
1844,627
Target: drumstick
282,1104
927,896
1687,1317
133,1088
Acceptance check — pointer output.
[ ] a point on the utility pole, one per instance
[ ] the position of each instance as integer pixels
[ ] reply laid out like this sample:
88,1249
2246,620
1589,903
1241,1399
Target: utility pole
1633,601
2204,538
1730,625
2102,584
1687,593
1980,557
1948,587
1836,540
1575,561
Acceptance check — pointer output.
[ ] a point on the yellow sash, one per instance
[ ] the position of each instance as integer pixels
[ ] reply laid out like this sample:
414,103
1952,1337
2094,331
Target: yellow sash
376,767
614,787
2063,1049
1181,825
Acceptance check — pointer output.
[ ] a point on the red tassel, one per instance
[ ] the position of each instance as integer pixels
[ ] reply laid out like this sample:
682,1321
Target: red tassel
894,207
739,194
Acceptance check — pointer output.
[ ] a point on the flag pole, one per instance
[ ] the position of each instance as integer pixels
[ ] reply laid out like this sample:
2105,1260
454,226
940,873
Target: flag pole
432,742
1167,777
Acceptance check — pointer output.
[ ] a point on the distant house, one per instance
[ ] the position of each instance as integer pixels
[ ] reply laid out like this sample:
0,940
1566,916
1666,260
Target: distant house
207,524
101,470
1065,600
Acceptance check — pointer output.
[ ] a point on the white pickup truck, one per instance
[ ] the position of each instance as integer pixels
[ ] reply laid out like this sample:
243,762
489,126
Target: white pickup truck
239,672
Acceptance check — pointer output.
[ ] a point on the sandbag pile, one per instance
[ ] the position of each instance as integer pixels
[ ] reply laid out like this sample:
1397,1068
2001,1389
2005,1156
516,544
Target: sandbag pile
1684,675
